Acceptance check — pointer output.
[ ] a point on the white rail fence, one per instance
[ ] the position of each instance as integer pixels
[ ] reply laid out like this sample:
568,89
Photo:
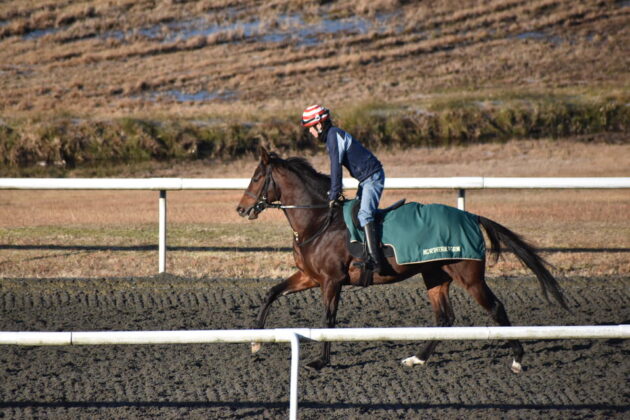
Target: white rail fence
294,335
459,184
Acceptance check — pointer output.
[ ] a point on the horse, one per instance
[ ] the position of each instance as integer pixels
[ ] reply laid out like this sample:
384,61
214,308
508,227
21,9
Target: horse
323,260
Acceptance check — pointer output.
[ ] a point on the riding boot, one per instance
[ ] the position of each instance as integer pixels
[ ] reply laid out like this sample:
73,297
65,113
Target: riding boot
372,246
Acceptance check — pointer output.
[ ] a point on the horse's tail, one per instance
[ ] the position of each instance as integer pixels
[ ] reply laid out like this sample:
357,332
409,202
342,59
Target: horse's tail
528,254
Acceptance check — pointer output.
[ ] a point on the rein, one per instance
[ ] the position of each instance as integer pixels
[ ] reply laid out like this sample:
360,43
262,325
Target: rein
321,229
262,203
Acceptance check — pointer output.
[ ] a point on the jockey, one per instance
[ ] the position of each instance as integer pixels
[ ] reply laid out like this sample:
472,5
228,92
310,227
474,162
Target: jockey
345,150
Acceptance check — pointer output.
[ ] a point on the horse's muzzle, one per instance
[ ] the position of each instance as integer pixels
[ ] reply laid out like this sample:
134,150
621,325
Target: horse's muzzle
249,212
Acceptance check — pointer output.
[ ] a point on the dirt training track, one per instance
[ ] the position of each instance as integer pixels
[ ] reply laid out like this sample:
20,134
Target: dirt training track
464,379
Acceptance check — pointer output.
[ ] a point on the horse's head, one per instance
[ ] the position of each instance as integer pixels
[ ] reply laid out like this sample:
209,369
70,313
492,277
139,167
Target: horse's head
261,190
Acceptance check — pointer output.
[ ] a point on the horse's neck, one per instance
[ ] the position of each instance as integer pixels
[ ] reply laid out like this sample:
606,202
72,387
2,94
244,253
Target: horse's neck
302,221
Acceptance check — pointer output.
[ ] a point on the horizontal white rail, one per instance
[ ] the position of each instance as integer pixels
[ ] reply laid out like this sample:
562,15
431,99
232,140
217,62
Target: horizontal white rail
174,184
293,335
283,335
461,184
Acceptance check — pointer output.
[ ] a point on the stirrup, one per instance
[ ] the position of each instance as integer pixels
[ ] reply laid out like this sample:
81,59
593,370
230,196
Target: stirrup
365,261
369,263
367,271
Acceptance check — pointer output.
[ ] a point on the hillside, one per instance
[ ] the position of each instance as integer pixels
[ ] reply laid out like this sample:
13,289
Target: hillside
90,81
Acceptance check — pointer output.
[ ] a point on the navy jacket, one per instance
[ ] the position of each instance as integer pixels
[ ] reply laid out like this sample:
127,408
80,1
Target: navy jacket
346,151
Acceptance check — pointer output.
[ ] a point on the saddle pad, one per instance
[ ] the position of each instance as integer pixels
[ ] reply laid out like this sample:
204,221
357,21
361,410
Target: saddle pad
421,233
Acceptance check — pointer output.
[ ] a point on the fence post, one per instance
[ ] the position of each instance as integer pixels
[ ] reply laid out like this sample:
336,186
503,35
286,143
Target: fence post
162,232
295,366
461,199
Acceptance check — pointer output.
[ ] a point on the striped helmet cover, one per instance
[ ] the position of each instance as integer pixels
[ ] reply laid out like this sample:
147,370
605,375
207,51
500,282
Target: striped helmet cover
314,114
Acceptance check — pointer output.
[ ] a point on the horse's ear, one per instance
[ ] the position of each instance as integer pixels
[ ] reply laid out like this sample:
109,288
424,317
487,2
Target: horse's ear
264,156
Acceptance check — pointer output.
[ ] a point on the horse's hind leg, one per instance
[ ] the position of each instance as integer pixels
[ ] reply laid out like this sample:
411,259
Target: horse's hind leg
296,283
476,286
495,308
438,287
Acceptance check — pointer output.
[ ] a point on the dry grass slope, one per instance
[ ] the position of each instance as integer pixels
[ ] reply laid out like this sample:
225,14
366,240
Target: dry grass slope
103,58
88,82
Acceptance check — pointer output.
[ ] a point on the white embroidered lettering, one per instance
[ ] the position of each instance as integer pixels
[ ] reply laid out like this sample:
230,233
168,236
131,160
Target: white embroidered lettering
437,249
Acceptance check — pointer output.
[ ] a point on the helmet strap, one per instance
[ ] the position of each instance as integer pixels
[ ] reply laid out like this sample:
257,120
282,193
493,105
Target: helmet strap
322,130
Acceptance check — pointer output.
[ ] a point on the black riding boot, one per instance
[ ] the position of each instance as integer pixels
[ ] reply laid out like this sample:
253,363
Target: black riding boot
372,246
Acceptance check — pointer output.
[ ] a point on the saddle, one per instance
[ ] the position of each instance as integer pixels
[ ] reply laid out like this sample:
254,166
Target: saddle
359,249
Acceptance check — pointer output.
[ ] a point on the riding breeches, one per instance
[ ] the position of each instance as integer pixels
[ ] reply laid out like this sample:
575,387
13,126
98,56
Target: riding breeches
370,191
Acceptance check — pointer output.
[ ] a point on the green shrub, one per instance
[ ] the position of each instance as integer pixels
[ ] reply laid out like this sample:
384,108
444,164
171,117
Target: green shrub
52,146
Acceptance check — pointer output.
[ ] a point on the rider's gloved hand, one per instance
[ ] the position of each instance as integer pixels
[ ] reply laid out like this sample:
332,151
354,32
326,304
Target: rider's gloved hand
337,202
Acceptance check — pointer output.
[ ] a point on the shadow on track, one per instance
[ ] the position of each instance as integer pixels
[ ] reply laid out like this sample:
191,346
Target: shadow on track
306,405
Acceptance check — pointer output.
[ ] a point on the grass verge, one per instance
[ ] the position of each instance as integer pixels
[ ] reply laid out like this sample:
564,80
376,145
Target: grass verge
54,146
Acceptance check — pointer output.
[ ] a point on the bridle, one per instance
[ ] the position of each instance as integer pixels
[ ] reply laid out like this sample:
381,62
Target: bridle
262,203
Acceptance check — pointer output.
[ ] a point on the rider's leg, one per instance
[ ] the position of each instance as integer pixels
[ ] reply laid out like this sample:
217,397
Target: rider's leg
373,248
371,191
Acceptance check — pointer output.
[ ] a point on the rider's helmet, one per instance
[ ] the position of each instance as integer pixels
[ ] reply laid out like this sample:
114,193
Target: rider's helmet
314,114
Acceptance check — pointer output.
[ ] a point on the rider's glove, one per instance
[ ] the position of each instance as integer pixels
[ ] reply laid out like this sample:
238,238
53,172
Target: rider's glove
337,202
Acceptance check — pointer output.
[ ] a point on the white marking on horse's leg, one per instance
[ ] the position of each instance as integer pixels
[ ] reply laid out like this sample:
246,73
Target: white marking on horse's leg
516,367
412,361
256,347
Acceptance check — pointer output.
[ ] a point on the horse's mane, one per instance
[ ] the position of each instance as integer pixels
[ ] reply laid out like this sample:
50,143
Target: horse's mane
314,181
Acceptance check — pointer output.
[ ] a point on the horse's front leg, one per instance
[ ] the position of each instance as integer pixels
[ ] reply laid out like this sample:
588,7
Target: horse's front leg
331,292
296,283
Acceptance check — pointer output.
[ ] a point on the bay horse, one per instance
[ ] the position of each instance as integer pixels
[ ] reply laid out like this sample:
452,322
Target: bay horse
323,260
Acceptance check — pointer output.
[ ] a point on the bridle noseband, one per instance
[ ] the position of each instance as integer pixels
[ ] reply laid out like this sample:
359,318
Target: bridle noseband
262,203
261,199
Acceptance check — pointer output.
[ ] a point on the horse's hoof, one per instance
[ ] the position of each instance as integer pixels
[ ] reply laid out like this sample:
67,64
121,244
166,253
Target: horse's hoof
516,367
256,347
317,364
412,361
